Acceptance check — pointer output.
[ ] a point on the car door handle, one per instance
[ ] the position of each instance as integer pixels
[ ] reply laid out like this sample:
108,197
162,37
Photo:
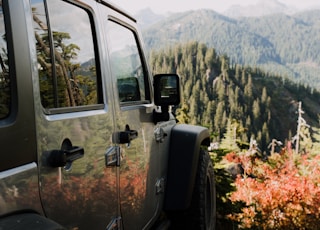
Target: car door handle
65,156
124,137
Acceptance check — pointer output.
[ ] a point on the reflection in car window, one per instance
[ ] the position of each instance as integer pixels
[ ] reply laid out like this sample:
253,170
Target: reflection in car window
5,98
66,57
126,63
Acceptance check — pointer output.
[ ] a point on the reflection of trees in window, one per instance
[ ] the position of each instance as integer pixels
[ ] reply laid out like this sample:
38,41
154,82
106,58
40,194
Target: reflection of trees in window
4,70
66,83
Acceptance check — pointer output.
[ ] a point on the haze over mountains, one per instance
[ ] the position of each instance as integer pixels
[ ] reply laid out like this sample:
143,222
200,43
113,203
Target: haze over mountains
269,35
147,17
261,8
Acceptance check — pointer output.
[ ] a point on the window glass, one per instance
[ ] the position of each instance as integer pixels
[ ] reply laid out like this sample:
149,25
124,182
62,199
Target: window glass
66,55
5,91
126,64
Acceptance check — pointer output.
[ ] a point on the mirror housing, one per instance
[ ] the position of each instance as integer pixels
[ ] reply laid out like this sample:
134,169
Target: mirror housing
166,89
166,93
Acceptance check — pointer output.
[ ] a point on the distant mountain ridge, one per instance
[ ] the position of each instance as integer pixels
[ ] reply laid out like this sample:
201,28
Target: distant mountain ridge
287,45
147,17
261,8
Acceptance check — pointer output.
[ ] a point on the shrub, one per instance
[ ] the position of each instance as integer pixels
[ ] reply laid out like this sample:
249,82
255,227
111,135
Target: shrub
280,193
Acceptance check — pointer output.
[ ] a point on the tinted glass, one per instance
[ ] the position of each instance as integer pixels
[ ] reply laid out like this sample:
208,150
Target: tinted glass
66,55
5,94
126,63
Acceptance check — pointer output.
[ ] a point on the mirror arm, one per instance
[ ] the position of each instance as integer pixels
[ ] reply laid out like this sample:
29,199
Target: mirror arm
161,116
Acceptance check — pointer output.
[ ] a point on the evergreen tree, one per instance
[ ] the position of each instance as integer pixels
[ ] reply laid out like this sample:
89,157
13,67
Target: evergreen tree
256,113
229,140
264,96
183,114
248,94
265,139
218,117
306,143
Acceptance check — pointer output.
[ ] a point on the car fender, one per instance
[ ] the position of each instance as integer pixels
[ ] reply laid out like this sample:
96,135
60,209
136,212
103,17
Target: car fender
185,144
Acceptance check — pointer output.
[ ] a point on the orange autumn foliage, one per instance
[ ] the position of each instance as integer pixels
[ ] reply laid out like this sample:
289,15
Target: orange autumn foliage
280,193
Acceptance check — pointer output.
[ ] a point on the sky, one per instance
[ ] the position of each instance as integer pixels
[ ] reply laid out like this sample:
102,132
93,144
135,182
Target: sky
164,6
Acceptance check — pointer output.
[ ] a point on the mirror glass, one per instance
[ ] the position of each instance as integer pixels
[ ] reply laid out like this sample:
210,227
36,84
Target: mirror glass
167,89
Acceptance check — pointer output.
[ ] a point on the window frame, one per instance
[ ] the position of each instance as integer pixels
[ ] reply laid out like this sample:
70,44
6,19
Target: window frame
144,66
99,81
12,106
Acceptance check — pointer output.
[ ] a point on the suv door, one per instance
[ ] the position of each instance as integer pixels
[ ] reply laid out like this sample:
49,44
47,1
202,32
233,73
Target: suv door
18,168
140,180
74,118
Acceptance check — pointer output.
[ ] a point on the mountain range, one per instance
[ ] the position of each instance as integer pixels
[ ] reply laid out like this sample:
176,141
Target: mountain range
278,40
261,8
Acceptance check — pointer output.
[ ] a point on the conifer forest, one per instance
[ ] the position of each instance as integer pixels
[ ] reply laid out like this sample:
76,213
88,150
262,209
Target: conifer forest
264,137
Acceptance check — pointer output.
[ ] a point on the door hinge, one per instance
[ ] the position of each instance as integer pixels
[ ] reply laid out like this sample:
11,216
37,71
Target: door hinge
114,224
159,135
160,186
112,156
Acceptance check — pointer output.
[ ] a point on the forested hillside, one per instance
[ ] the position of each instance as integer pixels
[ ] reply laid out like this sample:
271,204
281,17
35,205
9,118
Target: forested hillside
225,96
279,44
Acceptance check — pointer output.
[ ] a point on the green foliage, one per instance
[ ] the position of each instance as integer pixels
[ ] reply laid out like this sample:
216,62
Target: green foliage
229,139
215,92
224,186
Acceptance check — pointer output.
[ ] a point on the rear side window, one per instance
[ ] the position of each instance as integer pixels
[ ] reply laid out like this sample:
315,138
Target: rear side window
5,89
67,58
127,65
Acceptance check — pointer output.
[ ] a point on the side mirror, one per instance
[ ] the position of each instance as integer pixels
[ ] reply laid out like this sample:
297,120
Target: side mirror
166,93
166,89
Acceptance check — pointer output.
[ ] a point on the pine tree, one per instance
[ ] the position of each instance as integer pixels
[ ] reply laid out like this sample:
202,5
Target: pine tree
183,114
248,94
256,109
306,143
229,139
264,96
218,118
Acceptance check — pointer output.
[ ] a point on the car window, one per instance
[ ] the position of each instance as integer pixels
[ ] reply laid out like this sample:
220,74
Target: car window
67,61
5,89
127,64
